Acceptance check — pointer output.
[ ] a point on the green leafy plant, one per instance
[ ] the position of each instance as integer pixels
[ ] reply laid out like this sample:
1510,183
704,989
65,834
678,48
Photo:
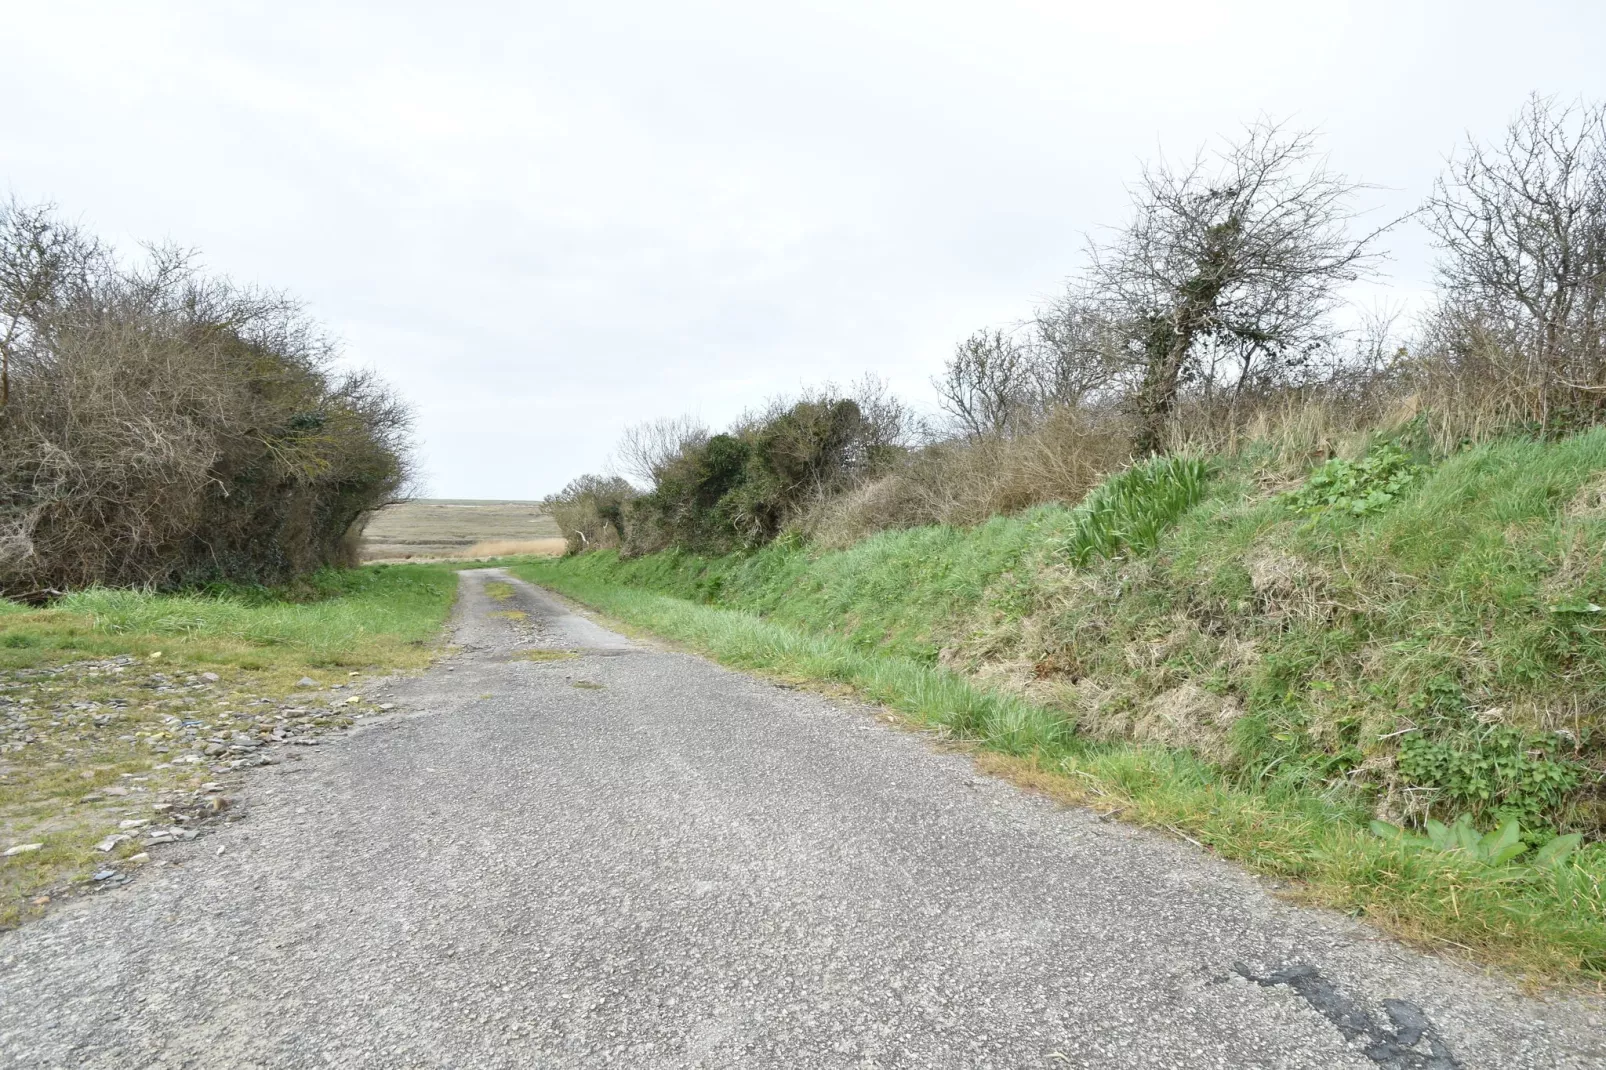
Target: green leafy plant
1359,488
1502,769
1131,510
1497,847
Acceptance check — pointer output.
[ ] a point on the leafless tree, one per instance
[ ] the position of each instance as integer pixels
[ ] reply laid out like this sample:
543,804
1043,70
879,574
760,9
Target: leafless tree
1078,352
989,384
1231,266
1522,226
646,448
890,425
42,261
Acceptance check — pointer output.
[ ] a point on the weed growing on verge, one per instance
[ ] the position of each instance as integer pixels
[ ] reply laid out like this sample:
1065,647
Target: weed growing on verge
1495,848
1497,769
1358,487
539,655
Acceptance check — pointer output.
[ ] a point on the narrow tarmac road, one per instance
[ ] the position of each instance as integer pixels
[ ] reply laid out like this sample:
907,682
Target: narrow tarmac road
635,858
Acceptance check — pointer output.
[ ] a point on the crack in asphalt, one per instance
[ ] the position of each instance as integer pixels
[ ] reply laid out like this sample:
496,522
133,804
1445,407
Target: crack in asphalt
1394,1049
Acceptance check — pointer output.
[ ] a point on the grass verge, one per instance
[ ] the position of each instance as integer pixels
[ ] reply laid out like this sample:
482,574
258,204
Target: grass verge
116,707
1545,923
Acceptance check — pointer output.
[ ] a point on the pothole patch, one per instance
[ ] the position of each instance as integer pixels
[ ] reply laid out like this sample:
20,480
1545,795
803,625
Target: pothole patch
1399,1048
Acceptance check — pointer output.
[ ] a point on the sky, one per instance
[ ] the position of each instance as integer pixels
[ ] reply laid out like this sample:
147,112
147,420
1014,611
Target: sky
545,222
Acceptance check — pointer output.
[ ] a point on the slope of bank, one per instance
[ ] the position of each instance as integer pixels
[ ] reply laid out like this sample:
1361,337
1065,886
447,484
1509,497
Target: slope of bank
1285,666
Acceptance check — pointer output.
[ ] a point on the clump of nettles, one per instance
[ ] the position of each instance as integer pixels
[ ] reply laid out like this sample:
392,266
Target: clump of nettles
1359,488
1500,768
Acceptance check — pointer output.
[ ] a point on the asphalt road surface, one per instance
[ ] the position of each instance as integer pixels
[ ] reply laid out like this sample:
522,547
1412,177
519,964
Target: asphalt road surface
635,858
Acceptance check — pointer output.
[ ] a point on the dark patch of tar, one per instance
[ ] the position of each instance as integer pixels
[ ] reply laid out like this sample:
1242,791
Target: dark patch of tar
1396,1049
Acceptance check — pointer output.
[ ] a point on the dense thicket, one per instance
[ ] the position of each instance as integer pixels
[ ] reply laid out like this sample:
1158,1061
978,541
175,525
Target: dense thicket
163,427
741,487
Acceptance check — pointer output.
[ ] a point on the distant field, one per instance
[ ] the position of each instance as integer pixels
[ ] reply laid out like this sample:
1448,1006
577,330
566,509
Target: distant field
454,528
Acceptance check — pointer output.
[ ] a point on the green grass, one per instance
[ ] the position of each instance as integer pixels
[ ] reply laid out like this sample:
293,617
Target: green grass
377,615
73,721
894,593
1263,671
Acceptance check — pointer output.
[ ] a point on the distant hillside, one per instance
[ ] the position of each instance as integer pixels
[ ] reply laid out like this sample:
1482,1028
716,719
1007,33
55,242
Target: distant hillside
459,528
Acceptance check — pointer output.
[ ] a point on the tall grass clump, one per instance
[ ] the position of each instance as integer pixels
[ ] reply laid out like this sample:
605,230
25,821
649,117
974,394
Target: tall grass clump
1132,509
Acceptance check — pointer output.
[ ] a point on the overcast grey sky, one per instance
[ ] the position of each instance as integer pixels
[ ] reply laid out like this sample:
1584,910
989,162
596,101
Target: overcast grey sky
545,221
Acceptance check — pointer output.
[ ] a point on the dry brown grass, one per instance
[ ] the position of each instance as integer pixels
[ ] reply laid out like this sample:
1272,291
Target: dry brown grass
445,529
1059,460
1458,388
1451,400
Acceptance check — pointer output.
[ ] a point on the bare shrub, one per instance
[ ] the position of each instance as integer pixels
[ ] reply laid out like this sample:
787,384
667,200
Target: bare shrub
890,427
1081,355
165,428
1000,383
1522,227
989,385
647,449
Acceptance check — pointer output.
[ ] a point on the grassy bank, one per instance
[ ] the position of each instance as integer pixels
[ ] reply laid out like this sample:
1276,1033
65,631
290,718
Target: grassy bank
1280,663
110,702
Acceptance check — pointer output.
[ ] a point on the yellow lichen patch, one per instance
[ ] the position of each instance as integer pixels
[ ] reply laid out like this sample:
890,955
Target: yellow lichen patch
498,591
